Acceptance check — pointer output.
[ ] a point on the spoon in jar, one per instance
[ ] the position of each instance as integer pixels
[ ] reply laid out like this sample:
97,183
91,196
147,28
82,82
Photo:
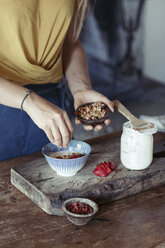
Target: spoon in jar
138,125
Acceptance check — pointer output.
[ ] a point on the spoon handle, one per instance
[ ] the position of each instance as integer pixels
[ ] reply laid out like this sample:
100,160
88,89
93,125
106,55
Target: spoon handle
123,110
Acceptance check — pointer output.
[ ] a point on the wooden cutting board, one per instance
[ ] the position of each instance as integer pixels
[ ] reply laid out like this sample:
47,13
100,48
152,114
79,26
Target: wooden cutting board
48,190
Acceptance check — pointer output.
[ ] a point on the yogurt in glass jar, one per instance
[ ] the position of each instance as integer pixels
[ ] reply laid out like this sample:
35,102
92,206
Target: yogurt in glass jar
136,148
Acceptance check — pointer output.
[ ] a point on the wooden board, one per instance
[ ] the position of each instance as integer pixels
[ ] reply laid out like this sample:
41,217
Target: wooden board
48,190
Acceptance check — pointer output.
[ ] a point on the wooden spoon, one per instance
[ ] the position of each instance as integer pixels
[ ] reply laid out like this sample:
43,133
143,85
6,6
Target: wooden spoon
138,125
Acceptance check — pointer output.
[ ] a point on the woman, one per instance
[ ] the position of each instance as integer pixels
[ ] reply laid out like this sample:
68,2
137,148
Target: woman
39,44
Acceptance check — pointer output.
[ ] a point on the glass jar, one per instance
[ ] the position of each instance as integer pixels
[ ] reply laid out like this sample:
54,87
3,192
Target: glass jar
136,148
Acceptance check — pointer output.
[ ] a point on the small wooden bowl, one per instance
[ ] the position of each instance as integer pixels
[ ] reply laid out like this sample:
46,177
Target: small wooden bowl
96,121
79,219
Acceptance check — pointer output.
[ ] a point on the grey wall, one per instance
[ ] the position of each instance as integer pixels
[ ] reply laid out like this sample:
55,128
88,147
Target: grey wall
154,40
149,41
105,45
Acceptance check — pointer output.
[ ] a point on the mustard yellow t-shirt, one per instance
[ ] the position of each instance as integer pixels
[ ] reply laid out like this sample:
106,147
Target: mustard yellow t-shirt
32,33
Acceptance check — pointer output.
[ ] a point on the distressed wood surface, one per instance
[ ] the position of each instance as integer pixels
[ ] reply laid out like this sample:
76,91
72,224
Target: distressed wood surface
136,221
48,190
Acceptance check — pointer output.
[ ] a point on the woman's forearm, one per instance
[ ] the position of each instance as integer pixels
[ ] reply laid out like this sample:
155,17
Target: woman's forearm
76,67
76,73
11,93
47,116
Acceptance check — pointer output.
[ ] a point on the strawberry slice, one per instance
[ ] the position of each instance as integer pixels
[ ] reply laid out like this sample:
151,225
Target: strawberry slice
100,170
112,165
104,169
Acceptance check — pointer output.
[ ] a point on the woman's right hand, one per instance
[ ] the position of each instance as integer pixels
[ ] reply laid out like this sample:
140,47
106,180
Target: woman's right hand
51,119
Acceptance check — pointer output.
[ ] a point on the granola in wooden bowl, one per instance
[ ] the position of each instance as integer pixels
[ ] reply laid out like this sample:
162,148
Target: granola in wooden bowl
92,113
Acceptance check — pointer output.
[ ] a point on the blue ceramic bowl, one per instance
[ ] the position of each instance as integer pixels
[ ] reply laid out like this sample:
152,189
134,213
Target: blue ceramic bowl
67,167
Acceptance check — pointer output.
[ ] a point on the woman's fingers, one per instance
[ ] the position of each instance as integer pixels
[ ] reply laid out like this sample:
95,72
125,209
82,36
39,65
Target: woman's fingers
109,104
62,129
66,129
65,134
98,127
57,135
69,124
107,122
49,134
52,120
88,128
58,129
78,122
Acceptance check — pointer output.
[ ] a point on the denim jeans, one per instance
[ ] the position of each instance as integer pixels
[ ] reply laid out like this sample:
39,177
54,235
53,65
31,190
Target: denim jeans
19,135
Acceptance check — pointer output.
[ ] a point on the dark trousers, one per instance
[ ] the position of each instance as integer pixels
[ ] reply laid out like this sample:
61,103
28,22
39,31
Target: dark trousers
18,133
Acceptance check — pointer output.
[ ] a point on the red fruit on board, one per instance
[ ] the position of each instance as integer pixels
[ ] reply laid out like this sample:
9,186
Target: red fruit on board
106,164
100,170
112,165
104,168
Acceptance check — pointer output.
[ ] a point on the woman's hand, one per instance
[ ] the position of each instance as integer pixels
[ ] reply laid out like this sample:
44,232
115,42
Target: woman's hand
50,118
85,96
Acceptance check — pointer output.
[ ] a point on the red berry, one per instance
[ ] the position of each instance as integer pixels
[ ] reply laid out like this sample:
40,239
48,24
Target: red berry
112,165
104,168
100,170
75,156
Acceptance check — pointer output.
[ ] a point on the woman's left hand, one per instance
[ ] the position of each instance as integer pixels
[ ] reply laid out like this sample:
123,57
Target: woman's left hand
85,96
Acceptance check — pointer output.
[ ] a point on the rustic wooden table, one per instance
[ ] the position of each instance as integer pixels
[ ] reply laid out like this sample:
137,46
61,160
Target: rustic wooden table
134,222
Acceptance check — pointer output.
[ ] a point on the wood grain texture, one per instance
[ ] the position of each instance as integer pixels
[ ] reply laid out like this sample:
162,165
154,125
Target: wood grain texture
48,190
136,221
